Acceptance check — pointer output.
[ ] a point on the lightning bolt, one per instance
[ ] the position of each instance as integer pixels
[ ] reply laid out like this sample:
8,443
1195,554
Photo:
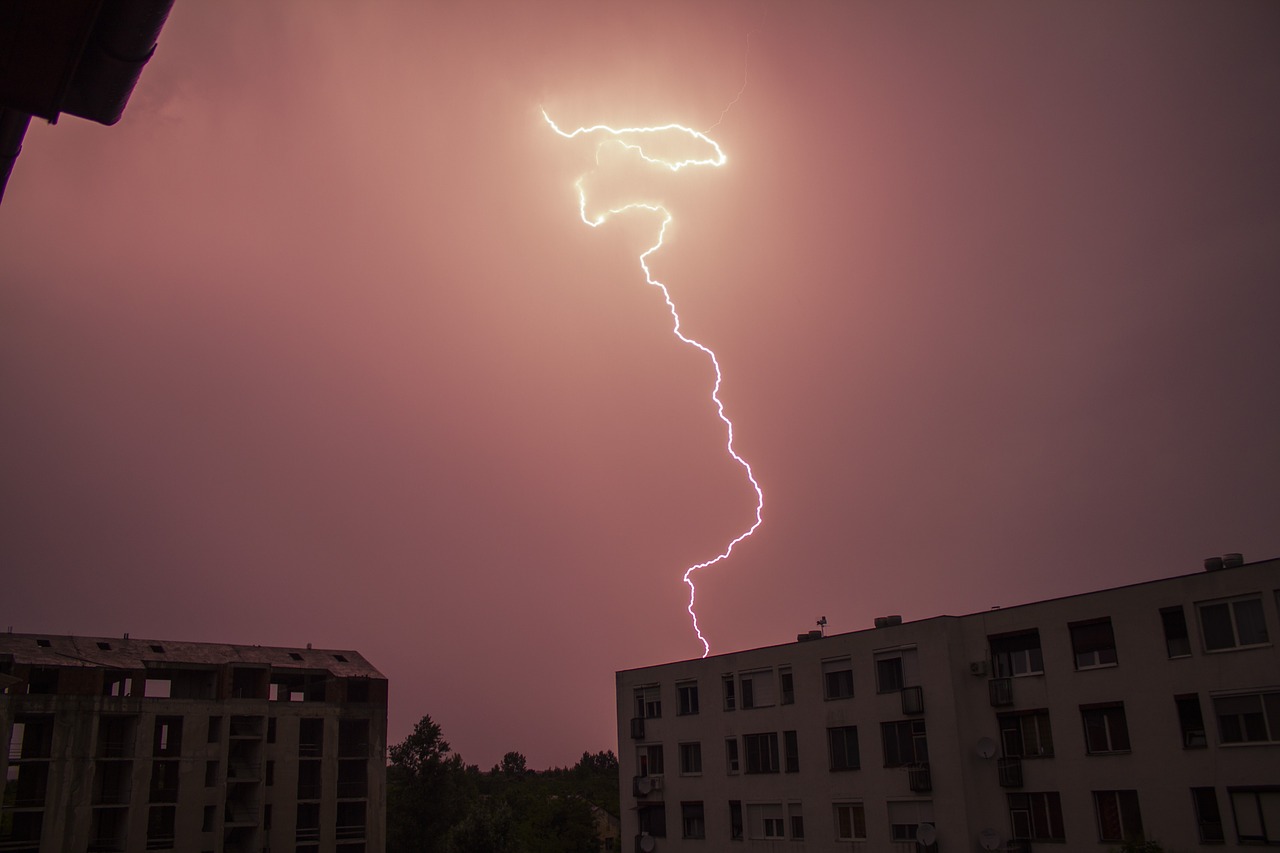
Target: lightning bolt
633,139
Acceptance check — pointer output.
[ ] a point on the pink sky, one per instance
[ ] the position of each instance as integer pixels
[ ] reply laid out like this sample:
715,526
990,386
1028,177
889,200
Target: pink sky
313,347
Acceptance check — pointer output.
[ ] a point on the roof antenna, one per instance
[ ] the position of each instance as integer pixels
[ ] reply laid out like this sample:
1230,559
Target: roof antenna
822,625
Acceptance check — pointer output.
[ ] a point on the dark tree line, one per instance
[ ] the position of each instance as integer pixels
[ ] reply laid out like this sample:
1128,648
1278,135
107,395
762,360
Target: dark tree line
436,803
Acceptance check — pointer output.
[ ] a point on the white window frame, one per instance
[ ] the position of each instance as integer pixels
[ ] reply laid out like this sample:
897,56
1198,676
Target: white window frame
1234,621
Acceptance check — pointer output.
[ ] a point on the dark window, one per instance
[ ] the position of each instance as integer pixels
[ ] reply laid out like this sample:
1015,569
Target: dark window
653,819
353,738
1176,641
851,821
1016,654
311,737
690,758
160,824
797,821
158,649
1105,728
164,782
788,686
650,759
210,774
692,821
271,773
731,755
648,702
842,743
1036,816
762,752
1248,718
271,730
1257,813
837,679
42,680
791,749
1026,734
904,743
687,698
735,820
730,698
340,658
748,693
210,819
215,729
1191,721
889,677
1230,624
1093,643
1118,815
1208,818
294,656
309,780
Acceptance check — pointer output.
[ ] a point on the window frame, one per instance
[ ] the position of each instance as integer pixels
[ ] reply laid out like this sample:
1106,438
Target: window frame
1268,716
1271,834
761,752
1030,725
857,820
686,698
1231,606
916,734
693,819
1093,644
838,759
836,681
690,758
1177,635
1130,825
1043,815
1013,657
1114,726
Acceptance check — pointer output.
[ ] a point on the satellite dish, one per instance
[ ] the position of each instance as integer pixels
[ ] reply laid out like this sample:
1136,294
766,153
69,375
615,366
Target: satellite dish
644,784
926,834
986,747
647,843
989,839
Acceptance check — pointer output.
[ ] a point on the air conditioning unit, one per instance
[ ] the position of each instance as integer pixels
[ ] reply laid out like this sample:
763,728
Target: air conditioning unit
978,667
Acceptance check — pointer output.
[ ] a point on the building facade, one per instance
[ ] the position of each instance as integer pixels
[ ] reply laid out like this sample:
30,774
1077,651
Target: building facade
1150,710
128,745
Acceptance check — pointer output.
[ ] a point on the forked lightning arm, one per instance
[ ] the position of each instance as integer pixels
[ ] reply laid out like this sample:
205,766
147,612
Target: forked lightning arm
632,138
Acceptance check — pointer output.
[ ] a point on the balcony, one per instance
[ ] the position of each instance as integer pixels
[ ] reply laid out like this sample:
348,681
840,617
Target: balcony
1010,772
1001,692
912,700
919,778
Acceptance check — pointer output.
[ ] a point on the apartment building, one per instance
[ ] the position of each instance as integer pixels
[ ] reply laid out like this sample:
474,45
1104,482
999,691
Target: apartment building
1150,710
127,745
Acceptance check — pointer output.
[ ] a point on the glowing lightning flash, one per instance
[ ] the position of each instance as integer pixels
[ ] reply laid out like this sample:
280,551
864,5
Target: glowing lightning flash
624,136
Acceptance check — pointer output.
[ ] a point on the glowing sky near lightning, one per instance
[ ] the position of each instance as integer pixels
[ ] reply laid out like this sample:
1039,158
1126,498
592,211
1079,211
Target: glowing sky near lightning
313,346
633,139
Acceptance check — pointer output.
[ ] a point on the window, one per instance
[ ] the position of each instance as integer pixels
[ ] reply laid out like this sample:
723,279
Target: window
1176,640
648,702
1257,813
1248,717
851,821
164,782
787,685
791,752
1118,815
210,774
889,676
160,824
1105,729
796,816
842,747
1026,734
692,821
168,736
731,755
837,679
1016,654
690,758
652,819
649,759
1191,721
762,752
686,698
765,820
735,820
905,817
1208,818
904,743
215,729
730,697
757,688
1036,816
1093,643
209,819
1233,624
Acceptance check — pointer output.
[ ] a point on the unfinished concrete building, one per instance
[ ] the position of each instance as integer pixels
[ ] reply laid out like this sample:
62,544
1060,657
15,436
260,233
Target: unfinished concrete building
125,744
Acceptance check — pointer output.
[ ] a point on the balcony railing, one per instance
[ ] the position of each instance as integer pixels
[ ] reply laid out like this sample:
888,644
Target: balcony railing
1001,691
919,779
912,700
1010,772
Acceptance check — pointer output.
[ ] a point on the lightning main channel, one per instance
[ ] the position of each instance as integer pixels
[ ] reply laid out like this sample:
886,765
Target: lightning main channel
632,139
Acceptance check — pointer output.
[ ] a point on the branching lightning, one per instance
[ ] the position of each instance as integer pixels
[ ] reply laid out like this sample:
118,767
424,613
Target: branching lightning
632,139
